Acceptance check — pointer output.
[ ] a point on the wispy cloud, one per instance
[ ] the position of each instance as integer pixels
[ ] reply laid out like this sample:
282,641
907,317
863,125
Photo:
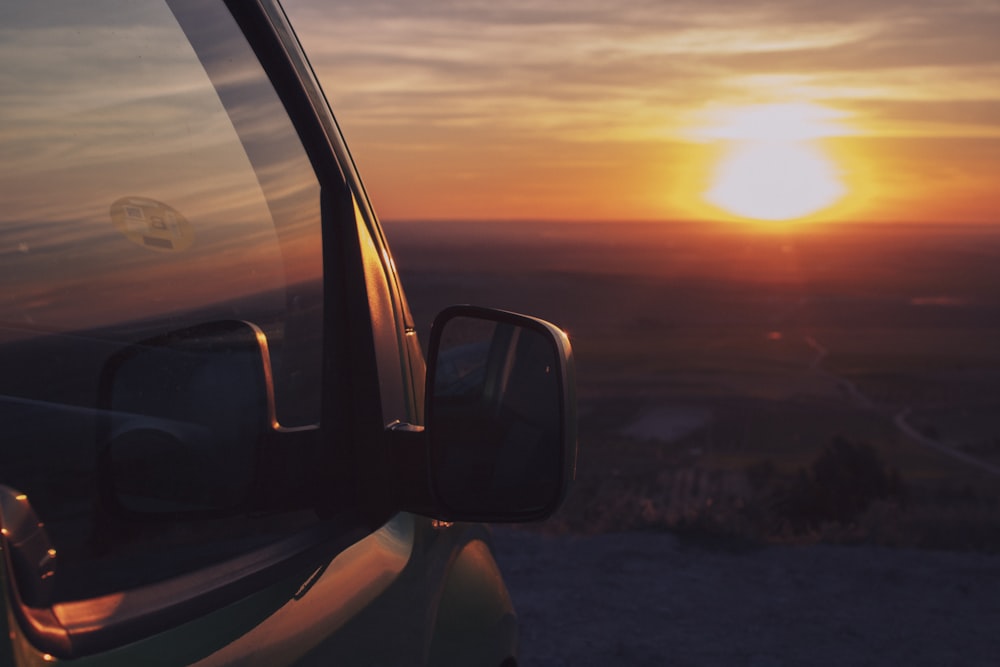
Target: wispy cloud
411,75
639,63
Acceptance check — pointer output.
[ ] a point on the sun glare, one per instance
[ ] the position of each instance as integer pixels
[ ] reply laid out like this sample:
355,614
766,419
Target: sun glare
774,169
775,180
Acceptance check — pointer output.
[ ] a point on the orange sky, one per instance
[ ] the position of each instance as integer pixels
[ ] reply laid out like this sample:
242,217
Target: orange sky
537,109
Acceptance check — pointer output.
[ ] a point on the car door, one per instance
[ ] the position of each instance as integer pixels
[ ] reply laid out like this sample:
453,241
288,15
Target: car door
166,174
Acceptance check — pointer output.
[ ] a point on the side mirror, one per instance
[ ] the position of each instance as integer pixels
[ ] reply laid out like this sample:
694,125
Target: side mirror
501,415
185,418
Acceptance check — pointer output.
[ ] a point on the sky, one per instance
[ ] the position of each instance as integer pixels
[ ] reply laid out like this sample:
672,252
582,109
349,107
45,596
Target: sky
647,110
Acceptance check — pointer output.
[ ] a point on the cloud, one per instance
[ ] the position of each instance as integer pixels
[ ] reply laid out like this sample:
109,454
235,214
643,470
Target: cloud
628,69
431,85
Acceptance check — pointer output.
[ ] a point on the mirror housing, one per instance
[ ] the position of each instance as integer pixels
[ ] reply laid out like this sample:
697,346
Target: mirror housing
185,418
500,437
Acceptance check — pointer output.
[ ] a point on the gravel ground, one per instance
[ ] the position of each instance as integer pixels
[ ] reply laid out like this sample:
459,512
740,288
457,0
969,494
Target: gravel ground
650,599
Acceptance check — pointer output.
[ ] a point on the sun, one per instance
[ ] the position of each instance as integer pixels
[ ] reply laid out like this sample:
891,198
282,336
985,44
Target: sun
774,168
775,180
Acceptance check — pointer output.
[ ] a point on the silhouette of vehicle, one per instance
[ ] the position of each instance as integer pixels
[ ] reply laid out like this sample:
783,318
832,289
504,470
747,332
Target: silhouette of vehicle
220,441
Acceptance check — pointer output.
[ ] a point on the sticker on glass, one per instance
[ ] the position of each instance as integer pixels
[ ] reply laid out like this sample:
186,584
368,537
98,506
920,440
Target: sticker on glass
152,224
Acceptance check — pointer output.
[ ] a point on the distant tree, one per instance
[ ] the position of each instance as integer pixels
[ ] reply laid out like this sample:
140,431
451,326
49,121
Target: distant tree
843,482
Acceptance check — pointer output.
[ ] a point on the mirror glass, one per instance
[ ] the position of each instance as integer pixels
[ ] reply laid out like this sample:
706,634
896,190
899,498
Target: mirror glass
186,414
496,416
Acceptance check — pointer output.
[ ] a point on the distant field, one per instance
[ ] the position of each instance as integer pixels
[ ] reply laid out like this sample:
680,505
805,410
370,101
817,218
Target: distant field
780,343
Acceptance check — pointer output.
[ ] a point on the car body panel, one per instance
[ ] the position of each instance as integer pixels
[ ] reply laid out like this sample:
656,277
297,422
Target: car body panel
475,616
335,593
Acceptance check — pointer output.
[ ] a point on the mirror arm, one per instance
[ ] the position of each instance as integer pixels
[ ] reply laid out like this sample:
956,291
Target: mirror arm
409,452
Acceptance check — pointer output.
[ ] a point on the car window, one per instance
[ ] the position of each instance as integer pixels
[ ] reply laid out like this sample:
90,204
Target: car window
152,182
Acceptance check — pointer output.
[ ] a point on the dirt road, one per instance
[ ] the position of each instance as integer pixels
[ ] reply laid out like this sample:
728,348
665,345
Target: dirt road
648,599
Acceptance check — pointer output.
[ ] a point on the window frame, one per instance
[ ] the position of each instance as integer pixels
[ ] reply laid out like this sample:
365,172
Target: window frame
353,399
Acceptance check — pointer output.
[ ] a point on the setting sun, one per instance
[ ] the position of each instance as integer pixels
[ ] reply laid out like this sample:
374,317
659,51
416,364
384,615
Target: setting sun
775,181
773,169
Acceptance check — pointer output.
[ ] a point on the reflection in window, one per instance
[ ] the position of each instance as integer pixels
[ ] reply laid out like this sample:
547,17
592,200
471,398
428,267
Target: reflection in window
152,181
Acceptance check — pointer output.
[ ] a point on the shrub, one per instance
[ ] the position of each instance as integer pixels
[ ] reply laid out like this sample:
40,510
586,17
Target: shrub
840,485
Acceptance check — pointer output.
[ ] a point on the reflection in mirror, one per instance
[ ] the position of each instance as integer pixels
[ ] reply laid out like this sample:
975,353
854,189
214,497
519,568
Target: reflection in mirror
188,412
496,417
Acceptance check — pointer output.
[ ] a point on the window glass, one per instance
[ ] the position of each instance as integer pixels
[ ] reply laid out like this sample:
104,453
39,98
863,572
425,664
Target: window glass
152,182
